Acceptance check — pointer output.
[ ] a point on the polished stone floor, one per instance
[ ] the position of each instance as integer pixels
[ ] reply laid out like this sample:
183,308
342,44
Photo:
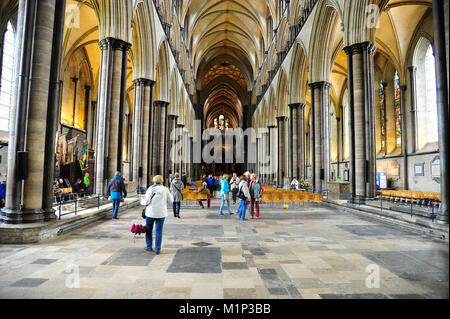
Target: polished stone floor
305,252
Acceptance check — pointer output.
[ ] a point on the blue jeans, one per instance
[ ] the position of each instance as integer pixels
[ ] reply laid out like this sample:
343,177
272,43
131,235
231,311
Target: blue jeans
223,203
242,208
158,232
176,209
115,205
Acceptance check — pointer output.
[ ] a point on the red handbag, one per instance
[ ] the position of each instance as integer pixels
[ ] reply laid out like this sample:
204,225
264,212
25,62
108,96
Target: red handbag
138,229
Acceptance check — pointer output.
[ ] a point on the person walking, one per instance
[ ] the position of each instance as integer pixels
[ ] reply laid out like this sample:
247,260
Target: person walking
156,200
225,194
211,184
2,196
244,196
255,194
184,179
176,186
116,188
234,185
204,190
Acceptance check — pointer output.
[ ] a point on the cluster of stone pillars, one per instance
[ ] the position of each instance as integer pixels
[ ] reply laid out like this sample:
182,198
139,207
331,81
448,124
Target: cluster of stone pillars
34,111
362,129
110,111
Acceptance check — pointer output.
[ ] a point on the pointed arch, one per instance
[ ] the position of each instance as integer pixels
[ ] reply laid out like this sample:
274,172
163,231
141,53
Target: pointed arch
162,73
143,50
299,74
283,94
327,32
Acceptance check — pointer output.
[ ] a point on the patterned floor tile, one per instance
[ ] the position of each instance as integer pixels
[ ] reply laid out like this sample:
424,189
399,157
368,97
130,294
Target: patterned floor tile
312,252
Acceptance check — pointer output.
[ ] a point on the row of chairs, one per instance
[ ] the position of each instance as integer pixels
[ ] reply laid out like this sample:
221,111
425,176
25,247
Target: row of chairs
290,196
191,197
423,199
271,195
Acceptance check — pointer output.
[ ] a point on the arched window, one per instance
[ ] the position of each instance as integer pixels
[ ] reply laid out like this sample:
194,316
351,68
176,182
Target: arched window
7,80
427,113
345,127
397,111
221,123
382,94
430,81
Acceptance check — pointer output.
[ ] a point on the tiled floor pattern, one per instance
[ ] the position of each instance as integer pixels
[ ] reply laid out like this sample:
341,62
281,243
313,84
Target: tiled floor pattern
308,252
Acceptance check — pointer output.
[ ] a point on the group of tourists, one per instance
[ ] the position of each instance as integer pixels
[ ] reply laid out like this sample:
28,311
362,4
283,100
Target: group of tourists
247,189
80,187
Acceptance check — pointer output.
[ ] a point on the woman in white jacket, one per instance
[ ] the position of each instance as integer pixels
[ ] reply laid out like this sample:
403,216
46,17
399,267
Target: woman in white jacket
156,199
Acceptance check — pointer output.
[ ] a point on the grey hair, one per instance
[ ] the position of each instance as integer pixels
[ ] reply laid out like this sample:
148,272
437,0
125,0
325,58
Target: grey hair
117,173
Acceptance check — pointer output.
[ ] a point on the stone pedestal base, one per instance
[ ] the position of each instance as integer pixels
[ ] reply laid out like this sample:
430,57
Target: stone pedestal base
9,216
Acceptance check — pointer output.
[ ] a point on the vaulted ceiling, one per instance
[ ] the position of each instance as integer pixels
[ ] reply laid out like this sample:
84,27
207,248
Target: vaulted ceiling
226,39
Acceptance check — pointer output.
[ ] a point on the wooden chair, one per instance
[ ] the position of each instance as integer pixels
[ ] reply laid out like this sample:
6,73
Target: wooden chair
266,197
317,198
191,197
277,197
298,197
286,196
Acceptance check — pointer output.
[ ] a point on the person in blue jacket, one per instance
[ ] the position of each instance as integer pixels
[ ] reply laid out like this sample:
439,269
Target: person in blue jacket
116,188
2,195
225,194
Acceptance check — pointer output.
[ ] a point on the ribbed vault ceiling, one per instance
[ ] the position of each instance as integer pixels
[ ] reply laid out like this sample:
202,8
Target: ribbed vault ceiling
225,39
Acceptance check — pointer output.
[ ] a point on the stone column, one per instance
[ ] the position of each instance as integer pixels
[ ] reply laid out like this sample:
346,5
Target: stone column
413,87
111,100
159,140
186,152
441,56
139,94
362,126
404,137
302,142
256,165
268,154
171,133
54,104
273,152
295,139
93,133
320,100
27,174
147,133
90,117
180,156
155,130
26,25
191,158
282,148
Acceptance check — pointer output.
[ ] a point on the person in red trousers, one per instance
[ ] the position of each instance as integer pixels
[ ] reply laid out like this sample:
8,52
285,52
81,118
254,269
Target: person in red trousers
256,190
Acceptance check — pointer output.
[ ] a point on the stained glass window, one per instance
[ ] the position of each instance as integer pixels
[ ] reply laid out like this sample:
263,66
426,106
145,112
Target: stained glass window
221,123
383,116
397,111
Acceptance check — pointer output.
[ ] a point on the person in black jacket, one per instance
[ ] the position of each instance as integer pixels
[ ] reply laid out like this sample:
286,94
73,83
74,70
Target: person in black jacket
76,188
184,179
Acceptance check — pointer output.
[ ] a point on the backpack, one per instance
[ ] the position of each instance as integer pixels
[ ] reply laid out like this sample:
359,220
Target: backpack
241,194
